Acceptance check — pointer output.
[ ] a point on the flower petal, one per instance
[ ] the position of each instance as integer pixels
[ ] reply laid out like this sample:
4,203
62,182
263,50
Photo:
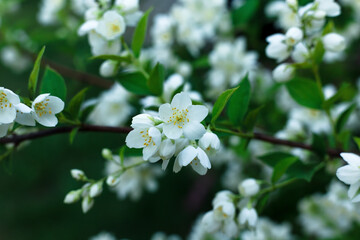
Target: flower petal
353,189
177,166
187,155
351,158
197,113
348,174
194,130
203,158
7,115
149,151
165,112
56,104
4,129
134,139
47,120
172,131
200,169
181,101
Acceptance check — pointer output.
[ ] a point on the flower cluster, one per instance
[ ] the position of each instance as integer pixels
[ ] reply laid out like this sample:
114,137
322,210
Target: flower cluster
303,35
105,24
173,132
223,216
43,110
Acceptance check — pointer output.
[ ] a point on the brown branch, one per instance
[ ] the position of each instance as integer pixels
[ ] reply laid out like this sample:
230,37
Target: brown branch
17,139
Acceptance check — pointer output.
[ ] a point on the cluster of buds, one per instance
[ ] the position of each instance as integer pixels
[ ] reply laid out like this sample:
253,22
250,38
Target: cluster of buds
301,39
43,110
226,206
176,130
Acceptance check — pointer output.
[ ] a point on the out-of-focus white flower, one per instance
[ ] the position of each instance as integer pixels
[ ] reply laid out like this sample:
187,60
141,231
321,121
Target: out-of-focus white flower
111,25
96,189
330,7
209,141
78,174
162,236
300,53
103,235
293,36
72,196
249,187
283,72
44,109
277,48
112,107
14,60
49,10
108,68
334,42
87,203
248,216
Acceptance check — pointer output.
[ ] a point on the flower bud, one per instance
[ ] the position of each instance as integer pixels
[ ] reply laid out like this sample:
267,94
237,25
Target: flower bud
142,121
167,149
283,73
96,189
334,42
248,216
112,181
249,187
293,36
108,68
209,141
86,204
72,196
107,154
78,174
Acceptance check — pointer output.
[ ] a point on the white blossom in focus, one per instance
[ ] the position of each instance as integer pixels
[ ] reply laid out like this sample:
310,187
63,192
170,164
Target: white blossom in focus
44,109
8,101
350,174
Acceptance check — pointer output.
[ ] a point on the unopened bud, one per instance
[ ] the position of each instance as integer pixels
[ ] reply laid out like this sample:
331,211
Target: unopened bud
72,196
78,174
96,189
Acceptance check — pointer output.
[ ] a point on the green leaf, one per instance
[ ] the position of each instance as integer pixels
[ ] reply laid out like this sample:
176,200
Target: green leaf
245,12
251,118
239,102
53,83
261,204
35,74
272,159
140,34
344,117
135,82
305,92
116,58
329,28
357,141
75,104
281,167
156,80
221,103
301,171
73,134
318,144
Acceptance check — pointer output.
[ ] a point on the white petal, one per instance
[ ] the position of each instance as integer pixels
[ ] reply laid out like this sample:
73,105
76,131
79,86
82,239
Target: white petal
194,130
7,115
3,129
353,189
40,98
165,112
172,131
200,169
134,139
164,164
156,135
56,104
24,115
348,174
181,101
351,158
356,199
47,120
204,159
177,166
87,27
187,155
149,151
197,113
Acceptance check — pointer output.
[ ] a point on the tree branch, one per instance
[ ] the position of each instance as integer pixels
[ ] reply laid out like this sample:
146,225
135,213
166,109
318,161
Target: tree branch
17,139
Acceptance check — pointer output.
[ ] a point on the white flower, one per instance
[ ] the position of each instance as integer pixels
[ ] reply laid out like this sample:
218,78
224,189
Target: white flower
197,158
167,149
249,187
4,129
277,48
334,42
248,216
147,138
350,174
283,73
44,109
292,3
181,117
330,7
108,68
87,203
111,25
24,115
77,174
96,189
209,141
72,196
293,36
8,100
300,53
143,120
101,46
